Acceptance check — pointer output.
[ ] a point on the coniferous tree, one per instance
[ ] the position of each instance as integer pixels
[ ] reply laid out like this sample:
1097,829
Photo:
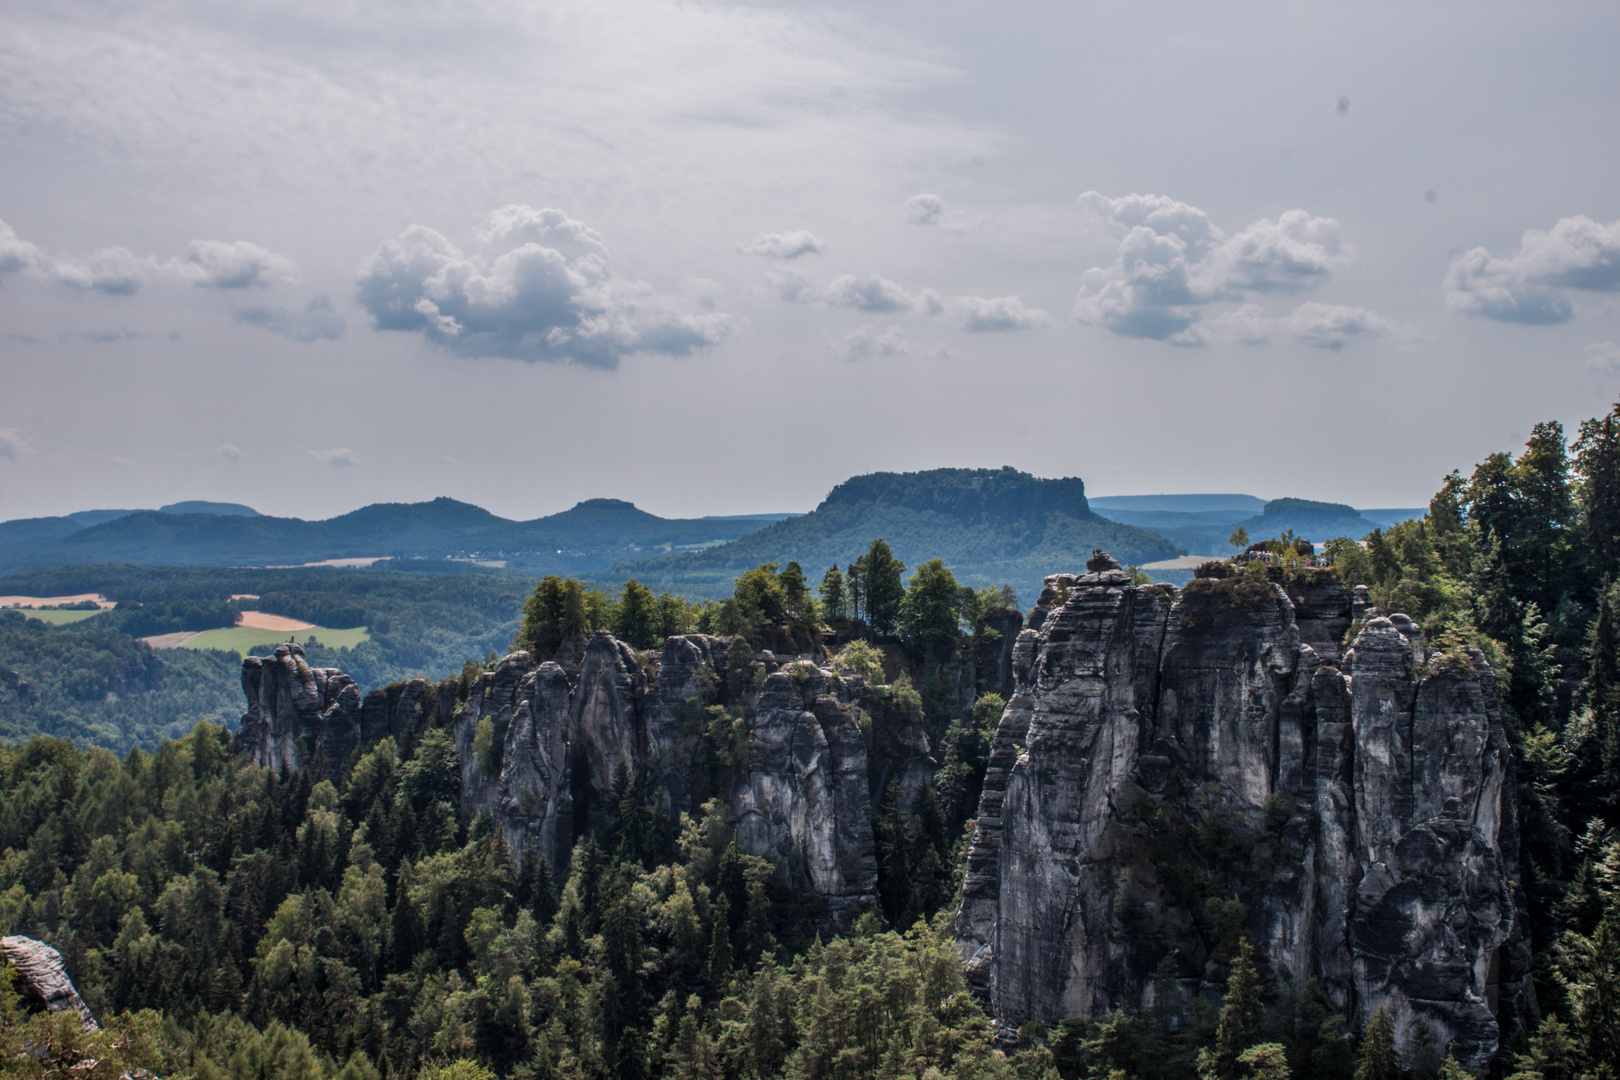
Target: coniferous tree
929,613
881,575
834,604
1239,1024
1376,1058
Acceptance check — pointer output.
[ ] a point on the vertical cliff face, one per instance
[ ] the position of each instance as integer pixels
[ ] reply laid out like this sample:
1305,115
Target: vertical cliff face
1175,767
539,746
298,715
296,712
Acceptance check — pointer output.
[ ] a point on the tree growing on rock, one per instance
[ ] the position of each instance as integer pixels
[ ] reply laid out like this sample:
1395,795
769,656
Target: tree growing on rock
929,613
882,574
834,602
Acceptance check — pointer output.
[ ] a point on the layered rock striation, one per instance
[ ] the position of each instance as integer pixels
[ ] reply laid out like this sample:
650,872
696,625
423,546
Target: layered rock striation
1176,768
43,978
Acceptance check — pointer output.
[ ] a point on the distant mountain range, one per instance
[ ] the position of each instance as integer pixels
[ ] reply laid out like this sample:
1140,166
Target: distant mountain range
586,539
990,526
1201,523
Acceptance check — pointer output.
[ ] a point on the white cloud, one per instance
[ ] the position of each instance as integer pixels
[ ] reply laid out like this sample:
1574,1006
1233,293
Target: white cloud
339,458
213,264
784,245
1529,286
870,343
865,292
113,270
1603,356
924,209
15,253
1321,326
1173,263
868,292
1293,253
317,320
14,444
979,314
216,264
539,287
229,452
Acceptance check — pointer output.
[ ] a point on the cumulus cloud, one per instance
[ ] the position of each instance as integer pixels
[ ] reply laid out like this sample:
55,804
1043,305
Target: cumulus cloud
539,286
14,444
113,270
1603,356
213,264
1173,263
784,245
339,458
217,264
1321,326
16,253
924,209
1531,286
980,314
229,452
872,293
868,292
870,343
318,320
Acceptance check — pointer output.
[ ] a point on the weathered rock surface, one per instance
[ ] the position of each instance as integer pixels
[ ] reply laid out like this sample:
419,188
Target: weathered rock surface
42,978
1163,750
539,746
298,715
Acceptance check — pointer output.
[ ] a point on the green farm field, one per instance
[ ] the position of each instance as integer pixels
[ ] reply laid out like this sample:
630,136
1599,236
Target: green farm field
58,618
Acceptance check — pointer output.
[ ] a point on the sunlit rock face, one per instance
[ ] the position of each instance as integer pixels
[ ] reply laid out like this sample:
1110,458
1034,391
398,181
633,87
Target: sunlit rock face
1176,768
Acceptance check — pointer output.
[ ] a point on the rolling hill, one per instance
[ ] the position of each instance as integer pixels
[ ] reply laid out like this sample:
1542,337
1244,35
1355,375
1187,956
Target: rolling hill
585,539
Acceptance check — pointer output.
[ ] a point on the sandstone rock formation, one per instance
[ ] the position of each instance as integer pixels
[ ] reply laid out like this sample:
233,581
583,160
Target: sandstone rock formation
42,979
1173,768
298,714
539,746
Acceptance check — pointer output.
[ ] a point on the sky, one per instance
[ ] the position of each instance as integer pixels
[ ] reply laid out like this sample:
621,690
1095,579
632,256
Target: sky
715,258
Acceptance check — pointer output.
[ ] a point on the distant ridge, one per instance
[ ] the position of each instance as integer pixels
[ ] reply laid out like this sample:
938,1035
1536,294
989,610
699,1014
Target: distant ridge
586,539
1185,504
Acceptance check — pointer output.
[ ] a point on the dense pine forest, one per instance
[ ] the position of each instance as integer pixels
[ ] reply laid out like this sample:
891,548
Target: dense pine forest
228,922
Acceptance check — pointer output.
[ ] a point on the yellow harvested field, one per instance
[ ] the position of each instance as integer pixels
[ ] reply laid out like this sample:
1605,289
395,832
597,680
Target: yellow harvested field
260,620
54,601
1185,562
243,638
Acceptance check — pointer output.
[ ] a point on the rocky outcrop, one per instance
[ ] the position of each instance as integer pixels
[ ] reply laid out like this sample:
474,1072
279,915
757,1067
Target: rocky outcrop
299,715
1175,768
540,745
296,712
557,738
42,979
